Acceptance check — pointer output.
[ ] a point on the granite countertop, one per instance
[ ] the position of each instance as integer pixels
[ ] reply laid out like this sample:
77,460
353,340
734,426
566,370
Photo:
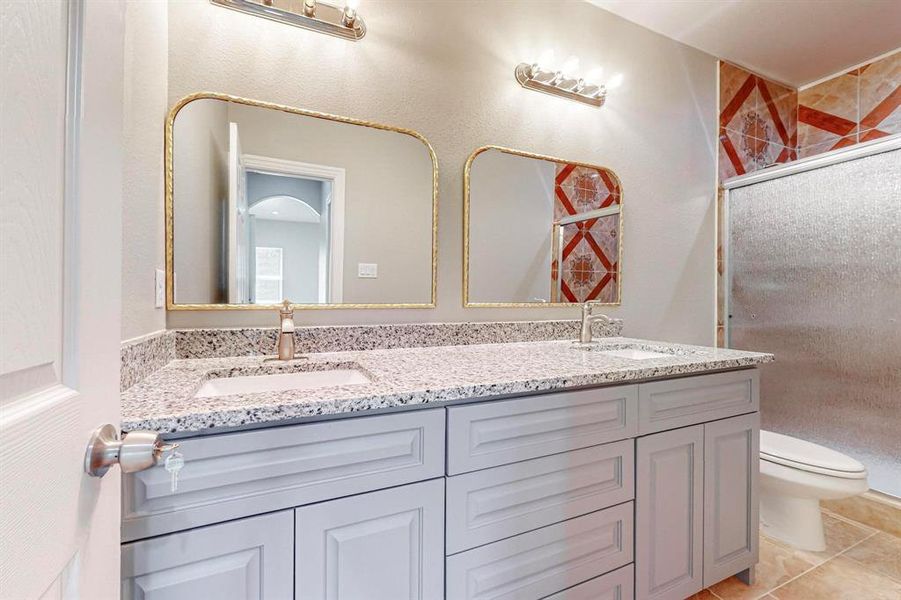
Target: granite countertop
165,401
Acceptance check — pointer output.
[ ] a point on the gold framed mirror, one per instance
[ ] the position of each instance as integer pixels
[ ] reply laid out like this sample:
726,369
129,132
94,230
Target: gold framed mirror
266,202
540,231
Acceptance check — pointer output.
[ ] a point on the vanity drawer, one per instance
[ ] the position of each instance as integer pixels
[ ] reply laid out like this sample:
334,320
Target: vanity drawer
239,474
539,563
680,402
493,504
496,433
616,585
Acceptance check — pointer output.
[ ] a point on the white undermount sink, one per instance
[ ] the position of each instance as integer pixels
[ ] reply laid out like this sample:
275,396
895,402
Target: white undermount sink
634,354
280,382
629,351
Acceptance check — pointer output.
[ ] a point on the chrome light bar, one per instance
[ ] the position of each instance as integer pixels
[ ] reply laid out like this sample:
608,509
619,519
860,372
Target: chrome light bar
315,16
535,77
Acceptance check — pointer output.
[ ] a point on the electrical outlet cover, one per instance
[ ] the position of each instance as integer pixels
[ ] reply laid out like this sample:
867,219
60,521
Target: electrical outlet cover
367,270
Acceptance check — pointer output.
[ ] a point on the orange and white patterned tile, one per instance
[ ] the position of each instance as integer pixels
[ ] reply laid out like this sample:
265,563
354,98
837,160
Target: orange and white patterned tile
880,98
828,112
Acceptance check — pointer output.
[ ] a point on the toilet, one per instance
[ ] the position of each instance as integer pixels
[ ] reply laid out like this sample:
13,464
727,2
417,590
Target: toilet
794,476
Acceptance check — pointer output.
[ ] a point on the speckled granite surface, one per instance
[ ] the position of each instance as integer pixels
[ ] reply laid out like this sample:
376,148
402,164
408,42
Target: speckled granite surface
142,356
255,341
165,400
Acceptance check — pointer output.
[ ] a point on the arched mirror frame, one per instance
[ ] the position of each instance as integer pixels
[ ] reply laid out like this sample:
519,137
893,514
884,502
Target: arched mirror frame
170,212
467,263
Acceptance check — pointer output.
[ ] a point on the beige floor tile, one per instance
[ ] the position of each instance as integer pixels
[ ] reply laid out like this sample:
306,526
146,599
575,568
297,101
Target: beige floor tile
778,564
869,510
703,595
882,553
840,579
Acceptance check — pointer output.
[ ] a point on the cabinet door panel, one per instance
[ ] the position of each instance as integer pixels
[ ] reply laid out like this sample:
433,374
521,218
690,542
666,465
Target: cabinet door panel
249,559
386,545
731,467
669,514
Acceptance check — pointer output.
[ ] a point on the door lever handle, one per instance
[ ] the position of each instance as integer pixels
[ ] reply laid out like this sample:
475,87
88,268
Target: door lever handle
136,451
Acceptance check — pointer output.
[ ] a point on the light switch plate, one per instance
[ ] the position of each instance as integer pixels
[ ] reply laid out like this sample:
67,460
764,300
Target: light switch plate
367,270
160,288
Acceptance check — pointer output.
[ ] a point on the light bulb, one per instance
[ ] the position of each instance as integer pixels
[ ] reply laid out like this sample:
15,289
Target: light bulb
615,81
570,66
350,12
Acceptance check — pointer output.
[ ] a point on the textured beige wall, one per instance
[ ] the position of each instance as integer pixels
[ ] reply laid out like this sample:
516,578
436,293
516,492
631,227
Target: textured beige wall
446,69
145,106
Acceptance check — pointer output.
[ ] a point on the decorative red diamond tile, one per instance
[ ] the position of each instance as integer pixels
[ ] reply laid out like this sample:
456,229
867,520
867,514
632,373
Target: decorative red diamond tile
590,247
880,98
739,98
827,112
778,110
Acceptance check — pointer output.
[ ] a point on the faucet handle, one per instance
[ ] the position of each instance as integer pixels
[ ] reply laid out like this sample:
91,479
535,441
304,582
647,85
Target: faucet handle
588,306
286,309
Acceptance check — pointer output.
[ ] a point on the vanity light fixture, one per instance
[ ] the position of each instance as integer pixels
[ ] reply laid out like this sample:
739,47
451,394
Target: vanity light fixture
561,82
343,22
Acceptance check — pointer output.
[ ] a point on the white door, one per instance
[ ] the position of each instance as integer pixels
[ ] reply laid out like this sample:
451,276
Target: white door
238,251
60,245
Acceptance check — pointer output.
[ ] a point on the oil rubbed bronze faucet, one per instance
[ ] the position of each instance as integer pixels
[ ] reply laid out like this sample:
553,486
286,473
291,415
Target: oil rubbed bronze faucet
588,318
286,332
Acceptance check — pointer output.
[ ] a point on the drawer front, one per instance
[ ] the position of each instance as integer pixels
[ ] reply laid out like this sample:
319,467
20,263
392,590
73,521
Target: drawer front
616,585
680,402
498,433
493,504
235,475
546,561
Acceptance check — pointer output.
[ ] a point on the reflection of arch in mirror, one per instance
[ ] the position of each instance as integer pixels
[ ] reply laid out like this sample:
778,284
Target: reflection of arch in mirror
285,208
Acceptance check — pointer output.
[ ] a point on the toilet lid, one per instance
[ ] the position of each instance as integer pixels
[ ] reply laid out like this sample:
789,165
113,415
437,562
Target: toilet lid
807,456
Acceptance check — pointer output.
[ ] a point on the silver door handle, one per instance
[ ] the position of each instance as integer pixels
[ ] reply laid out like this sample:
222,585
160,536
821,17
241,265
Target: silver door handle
136,451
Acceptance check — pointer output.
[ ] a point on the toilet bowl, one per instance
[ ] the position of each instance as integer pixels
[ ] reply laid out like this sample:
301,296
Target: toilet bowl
794,476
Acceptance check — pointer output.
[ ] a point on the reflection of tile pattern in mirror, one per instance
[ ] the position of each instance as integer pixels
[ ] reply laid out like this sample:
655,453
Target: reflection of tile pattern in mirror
590,248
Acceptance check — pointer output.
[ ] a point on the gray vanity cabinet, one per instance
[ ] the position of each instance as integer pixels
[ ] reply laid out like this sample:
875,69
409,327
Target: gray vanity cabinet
669,471
644,490
248,559
386,545
696,506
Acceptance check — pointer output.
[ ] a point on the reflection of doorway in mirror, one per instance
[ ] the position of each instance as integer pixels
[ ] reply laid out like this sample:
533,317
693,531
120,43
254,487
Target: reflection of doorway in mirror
297,209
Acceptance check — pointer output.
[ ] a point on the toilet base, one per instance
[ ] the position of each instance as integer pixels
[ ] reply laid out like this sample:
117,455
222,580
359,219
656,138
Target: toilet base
795,521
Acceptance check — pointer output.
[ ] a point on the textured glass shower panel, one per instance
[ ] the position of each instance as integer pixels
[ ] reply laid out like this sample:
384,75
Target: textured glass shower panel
815,265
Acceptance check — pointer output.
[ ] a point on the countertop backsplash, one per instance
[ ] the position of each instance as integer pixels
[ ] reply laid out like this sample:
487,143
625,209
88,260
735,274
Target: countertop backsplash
143,356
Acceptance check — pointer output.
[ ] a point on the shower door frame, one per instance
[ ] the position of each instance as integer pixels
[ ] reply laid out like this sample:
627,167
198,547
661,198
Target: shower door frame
886,144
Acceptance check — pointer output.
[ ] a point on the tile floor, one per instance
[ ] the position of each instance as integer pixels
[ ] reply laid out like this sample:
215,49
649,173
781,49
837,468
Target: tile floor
859,563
